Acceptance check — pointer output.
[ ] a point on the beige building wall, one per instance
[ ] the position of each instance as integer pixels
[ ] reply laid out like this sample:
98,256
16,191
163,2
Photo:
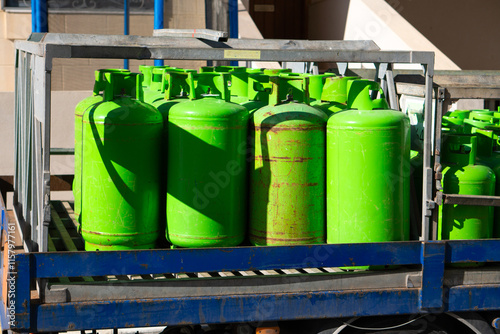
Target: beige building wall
75,76
78,74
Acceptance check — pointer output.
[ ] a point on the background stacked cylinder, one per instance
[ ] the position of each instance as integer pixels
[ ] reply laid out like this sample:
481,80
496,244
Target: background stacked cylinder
239,156
471,161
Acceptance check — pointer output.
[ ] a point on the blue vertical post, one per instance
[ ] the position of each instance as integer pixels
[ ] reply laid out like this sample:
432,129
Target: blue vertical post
126,18
233,23
158,24
42,17
33,15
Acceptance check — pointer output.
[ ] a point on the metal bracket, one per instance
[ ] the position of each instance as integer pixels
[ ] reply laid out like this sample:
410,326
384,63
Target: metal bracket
342,67
474,200
439,198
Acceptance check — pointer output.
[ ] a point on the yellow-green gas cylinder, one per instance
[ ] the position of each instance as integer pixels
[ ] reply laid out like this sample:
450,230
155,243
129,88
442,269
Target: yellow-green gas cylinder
206,182
287,173
80,109
334,95
368,154
121,139
461,175
152,82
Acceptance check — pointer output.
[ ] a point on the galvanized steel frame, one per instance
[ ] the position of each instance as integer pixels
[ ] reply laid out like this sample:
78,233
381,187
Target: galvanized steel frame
33,211
452,86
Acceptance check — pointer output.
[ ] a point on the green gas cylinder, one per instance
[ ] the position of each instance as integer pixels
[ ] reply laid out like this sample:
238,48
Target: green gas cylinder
451,124
79,111
368,153
120,168
206,186
334,95
287,178
152,81
462,176
249,87
487,132
463,114
477,113
175,87
315,85
359,95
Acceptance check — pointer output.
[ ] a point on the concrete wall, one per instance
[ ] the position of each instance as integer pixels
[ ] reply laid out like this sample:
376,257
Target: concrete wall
78,74
466,31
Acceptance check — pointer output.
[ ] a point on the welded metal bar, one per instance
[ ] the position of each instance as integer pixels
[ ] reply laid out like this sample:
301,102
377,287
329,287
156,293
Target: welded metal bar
62,151
391,89
431,293
37,185
30,205
158,24
474,200
437,156
472,251
18,88
227,309
22,286
190,43
240,55
473,298
217,286
46,214
208,34
428,173
228,259
245,308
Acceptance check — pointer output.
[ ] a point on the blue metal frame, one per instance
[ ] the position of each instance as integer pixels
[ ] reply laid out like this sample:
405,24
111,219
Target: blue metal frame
431,297
3,228
258,307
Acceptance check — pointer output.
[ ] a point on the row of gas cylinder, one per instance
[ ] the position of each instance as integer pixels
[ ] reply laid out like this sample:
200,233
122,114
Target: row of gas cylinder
471,166
230,155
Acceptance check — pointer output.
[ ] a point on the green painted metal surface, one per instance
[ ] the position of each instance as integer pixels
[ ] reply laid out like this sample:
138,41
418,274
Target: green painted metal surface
359,95
287,178
248,87
120,168
79,111
485,126
151,84
333,95
206,186
462,176
368,153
